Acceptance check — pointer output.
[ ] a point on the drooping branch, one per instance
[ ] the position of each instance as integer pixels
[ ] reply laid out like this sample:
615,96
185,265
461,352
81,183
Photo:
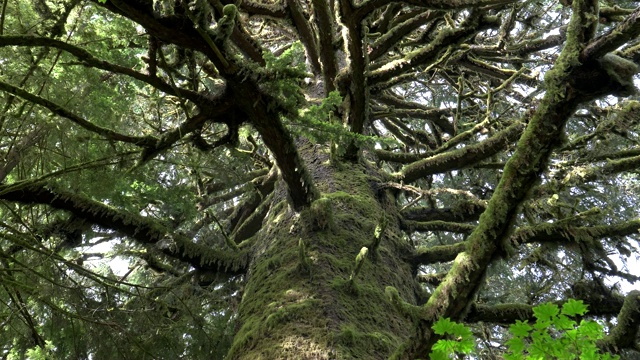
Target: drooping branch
60,111
141,229
20,150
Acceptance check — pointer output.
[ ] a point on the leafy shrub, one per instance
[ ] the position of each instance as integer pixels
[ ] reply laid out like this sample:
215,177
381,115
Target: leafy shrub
554,335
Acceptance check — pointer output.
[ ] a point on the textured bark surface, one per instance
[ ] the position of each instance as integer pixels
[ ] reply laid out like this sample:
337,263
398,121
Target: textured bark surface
290,310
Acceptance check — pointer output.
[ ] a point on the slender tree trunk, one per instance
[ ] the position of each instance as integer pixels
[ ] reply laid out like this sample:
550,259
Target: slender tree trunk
298,302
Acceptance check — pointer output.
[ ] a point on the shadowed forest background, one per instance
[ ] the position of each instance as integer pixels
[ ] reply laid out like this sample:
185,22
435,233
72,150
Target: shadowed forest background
318,179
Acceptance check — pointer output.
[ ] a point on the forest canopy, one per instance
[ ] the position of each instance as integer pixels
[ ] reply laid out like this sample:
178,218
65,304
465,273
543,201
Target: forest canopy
293,179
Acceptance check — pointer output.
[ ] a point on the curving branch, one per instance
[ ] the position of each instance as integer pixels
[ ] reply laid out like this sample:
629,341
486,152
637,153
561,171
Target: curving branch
625,332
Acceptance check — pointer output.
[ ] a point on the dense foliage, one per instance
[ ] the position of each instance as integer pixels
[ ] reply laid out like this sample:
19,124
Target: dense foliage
315,179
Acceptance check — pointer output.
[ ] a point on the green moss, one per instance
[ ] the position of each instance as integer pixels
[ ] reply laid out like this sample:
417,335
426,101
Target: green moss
349,336
322,314
319,216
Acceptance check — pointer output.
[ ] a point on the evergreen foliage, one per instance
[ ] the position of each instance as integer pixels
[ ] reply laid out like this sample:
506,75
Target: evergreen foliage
296,179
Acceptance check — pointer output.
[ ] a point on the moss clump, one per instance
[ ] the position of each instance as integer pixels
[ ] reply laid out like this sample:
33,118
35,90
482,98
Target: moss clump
319,216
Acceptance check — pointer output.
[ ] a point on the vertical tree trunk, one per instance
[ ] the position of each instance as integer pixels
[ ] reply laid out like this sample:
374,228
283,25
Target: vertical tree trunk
298,301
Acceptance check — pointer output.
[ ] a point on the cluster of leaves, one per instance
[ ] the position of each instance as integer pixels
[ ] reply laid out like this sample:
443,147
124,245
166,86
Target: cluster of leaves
554,335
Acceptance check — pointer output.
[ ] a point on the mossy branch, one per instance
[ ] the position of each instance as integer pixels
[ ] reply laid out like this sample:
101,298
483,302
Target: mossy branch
625,332
142,229
460,158
87,125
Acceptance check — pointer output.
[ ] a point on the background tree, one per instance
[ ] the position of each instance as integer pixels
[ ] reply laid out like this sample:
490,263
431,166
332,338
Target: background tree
324,179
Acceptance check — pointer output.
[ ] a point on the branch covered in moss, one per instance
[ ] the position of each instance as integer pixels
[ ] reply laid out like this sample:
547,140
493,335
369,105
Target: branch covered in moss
460,158
629,29
463,211
142,229
626,330
490,239
431,52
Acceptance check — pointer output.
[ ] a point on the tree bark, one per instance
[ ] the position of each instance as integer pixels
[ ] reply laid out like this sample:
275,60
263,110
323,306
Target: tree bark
298,301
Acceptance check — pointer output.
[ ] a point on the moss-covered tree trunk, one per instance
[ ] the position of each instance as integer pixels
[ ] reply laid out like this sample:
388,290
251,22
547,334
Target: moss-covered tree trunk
299,301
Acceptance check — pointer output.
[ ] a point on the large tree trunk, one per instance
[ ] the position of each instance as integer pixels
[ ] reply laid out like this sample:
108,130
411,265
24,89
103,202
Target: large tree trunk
298,301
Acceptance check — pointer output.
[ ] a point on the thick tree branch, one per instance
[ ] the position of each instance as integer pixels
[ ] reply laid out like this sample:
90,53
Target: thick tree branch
490,238
462,212
437,225
306,33
626,330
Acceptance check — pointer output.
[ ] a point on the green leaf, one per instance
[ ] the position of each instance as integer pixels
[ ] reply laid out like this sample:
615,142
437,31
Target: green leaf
564,323
520,329
545,311
443,326
438,355
574,307
515,345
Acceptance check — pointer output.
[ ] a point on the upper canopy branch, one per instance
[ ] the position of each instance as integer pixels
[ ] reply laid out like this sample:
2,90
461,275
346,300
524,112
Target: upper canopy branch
522,171
629,29
367,7
431,52
545,233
